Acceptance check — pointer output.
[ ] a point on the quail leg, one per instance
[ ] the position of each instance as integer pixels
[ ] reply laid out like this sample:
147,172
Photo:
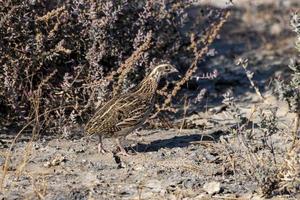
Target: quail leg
101,149
121,149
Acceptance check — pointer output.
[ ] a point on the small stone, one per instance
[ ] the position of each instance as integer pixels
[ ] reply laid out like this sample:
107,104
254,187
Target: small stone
162,192
275,29
154,185
80,150
209,157
212,187
127,191
138,167
59,159
36,146
47,164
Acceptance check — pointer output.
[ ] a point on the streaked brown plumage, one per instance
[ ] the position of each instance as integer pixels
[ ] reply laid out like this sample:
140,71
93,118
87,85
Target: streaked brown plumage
124,113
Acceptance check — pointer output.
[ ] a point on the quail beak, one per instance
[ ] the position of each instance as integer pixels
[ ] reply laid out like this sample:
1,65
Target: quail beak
174,70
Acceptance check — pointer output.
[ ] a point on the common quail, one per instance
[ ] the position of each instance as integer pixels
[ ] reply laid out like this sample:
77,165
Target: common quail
126,112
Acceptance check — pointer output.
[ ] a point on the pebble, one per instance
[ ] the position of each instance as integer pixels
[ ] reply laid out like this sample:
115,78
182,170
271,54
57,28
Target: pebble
59,159
154,185
138,167
212,187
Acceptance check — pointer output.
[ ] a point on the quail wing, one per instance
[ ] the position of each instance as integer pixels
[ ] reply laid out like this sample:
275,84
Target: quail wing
126,111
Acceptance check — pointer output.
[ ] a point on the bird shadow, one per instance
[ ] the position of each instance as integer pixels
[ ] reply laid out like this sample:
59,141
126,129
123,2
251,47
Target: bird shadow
175,142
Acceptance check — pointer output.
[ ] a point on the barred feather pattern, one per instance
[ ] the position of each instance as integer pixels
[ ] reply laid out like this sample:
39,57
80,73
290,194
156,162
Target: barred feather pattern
124,113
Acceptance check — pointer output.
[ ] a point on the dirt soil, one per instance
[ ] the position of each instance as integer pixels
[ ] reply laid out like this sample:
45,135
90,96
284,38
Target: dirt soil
201,160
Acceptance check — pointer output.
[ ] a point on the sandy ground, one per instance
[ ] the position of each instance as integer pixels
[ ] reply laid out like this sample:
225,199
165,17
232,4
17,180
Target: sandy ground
167,164
204,160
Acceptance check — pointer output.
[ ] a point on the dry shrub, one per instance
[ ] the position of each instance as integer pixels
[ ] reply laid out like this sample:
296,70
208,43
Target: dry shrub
204,42
60,58
254,149
289,176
